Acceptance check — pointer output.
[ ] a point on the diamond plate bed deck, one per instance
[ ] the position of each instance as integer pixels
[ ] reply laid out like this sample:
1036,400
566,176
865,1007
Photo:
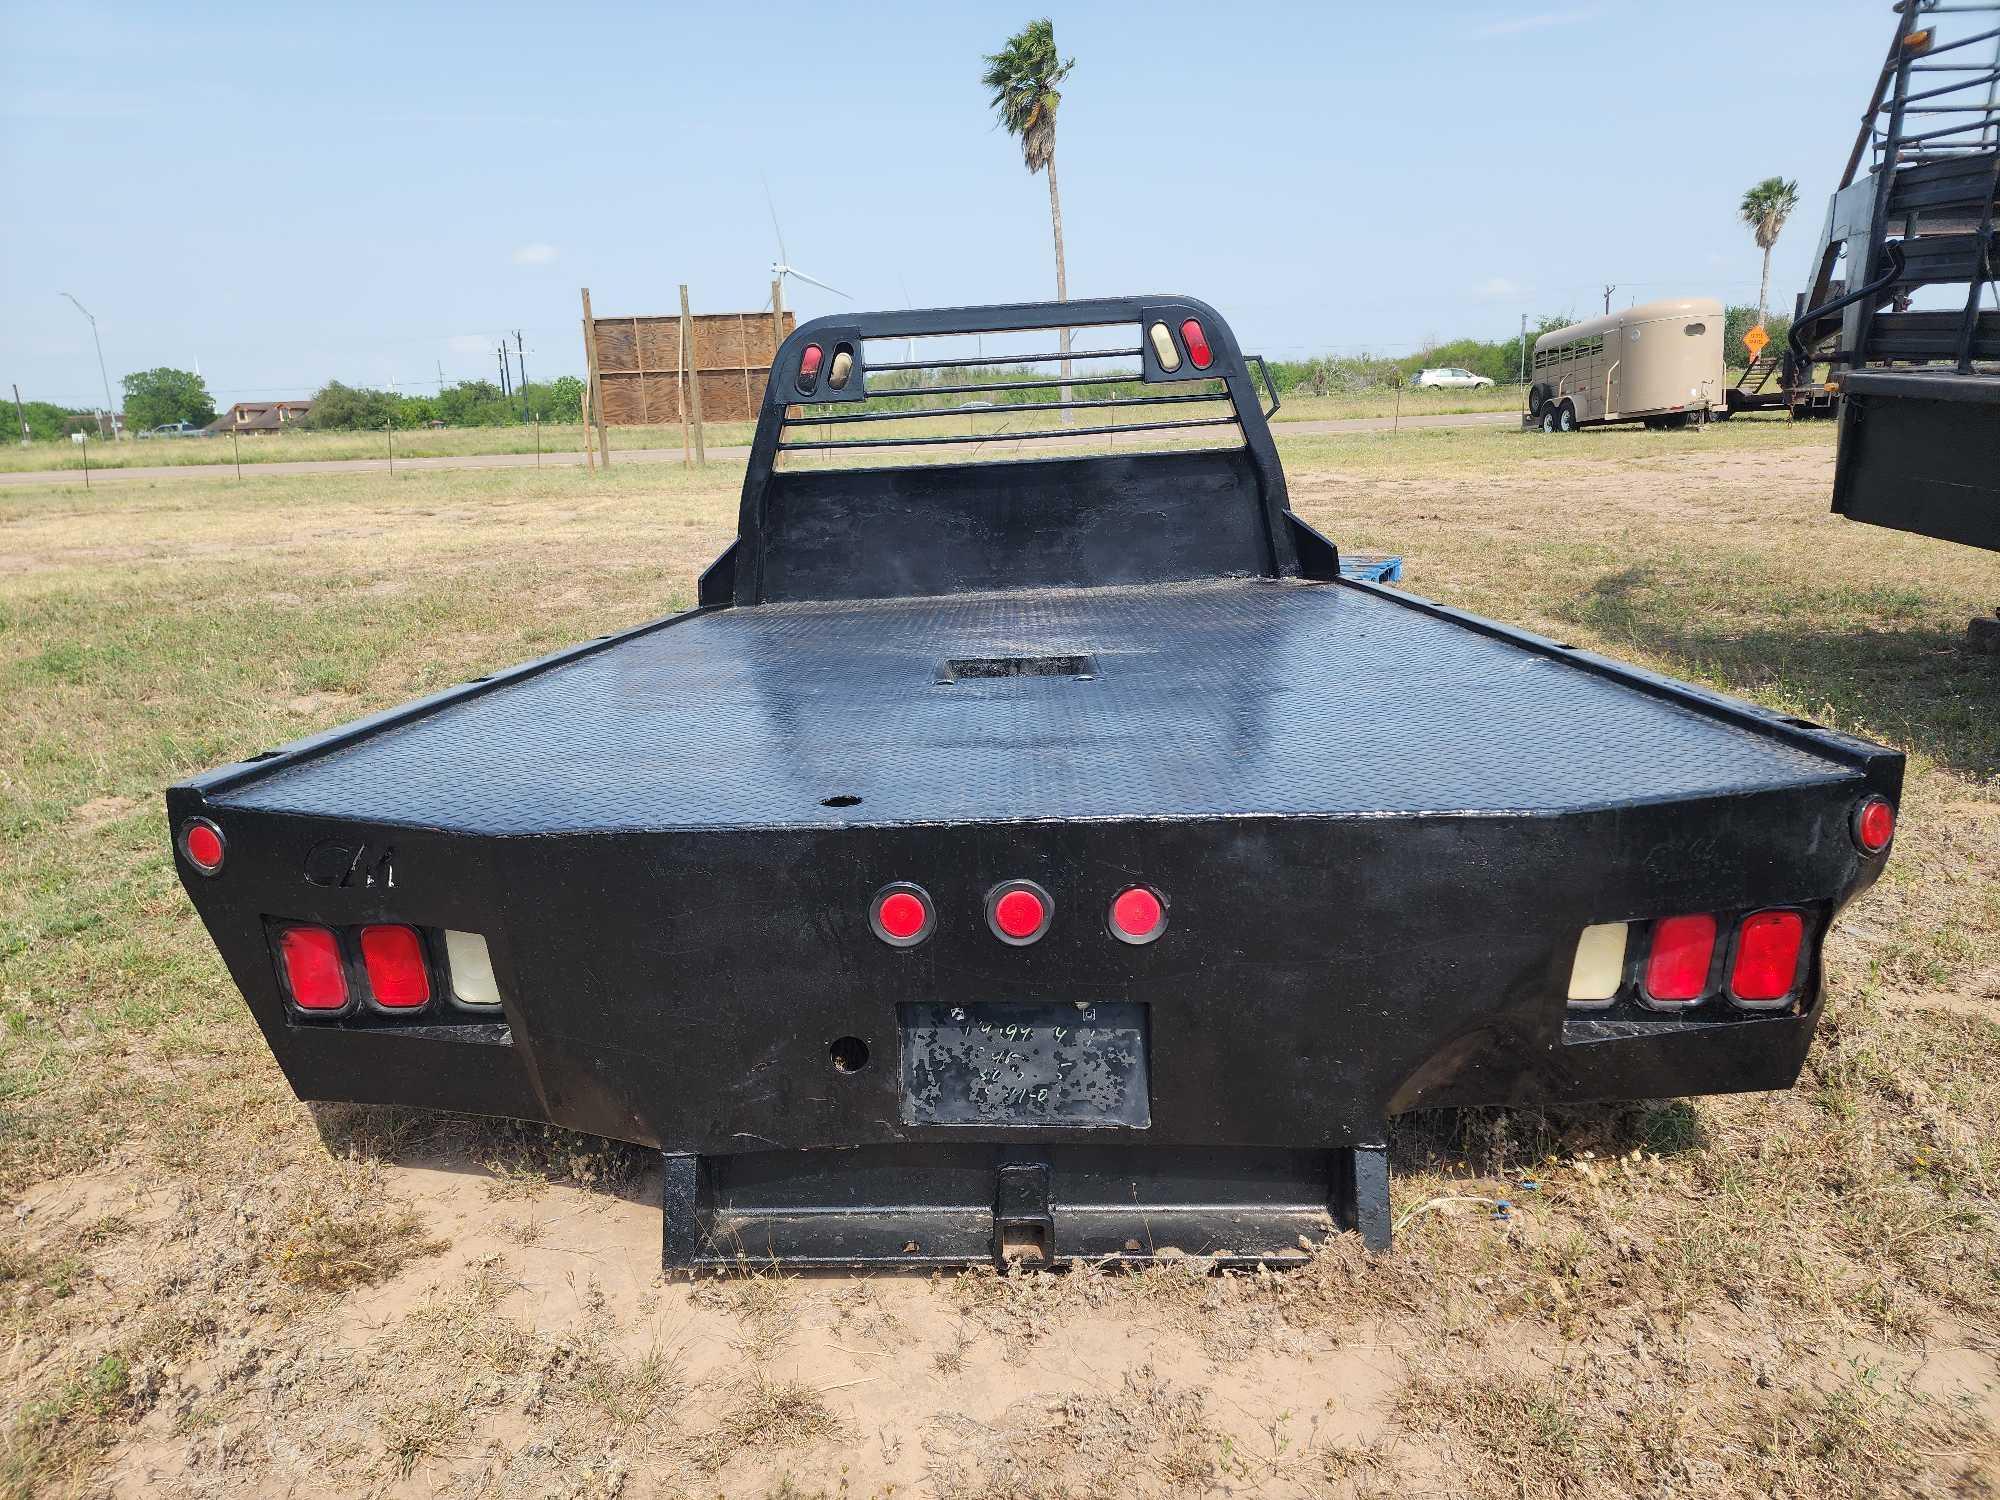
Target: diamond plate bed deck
1203,700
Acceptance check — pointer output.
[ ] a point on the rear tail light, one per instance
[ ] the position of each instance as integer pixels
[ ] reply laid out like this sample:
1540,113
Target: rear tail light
1874,824
398,977
1138,915
1765,969
1164,349
901,914
1677,967
201,843
1599,969
841,368
1197,344
314,974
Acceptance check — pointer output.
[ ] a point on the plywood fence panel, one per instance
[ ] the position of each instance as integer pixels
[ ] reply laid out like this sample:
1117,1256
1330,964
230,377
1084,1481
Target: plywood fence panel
638,358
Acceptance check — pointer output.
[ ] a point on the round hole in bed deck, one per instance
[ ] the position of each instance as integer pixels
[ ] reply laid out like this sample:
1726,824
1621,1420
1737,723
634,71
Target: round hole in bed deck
845,799
849,1054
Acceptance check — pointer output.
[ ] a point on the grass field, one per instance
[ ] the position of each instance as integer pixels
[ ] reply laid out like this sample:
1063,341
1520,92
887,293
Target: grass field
293,447
207,1290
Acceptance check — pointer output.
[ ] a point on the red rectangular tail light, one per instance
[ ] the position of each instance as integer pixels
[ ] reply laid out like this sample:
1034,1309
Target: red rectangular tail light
398,977
314,973
1765,969
1677,968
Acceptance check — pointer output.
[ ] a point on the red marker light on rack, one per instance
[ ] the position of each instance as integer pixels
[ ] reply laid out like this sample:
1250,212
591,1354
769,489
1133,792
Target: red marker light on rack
1199,354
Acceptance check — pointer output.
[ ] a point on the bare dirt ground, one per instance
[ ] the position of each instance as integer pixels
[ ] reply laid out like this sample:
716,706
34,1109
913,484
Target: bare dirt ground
207,1289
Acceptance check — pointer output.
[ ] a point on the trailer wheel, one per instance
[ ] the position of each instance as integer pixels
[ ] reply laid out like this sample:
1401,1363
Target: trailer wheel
1548,418
1565,418
1538,397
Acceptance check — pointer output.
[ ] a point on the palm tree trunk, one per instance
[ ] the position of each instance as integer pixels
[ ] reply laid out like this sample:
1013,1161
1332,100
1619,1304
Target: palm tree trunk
1764,287
1062,280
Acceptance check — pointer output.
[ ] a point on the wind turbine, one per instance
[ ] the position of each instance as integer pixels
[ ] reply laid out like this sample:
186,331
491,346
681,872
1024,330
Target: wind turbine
782,266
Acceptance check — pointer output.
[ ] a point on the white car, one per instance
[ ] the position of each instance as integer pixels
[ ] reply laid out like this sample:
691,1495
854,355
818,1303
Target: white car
1449,380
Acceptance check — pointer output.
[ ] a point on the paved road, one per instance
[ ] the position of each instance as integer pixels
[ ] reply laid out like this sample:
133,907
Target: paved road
624,455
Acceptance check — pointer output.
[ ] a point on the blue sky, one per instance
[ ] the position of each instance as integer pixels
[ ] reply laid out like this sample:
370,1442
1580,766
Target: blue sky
286,193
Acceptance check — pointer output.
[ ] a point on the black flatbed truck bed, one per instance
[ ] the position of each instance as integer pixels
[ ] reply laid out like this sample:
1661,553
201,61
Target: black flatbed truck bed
1376,828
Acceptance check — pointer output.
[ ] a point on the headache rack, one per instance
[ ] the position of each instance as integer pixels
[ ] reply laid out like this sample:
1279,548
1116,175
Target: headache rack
1144,456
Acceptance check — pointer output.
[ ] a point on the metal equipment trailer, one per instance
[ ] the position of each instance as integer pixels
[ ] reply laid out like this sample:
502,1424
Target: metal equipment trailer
1910,336
1035,855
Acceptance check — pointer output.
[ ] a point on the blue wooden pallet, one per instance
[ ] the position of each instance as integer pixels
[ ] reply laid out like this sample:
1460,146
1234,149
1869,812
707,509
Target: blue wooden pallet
1371,567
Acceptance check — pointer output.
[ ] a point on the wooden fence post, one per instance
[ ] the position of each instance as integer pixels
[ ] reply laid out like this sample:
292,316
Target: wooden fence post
680,394
694,377
596,389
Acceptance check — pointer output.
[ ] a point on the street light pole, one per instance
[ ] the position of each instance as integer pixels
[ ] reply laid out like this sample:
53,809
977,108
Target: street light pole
109,409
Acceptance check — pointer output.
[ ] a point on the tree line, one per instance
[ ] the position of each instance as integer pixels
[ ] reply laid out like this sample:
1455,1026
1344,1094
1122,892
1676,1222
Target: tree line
469,403
154,398
163,396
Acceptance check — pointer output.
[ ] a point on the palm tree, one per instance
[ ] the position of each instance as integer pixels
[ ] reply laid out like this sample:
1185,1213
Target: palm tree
1765,208
1023,76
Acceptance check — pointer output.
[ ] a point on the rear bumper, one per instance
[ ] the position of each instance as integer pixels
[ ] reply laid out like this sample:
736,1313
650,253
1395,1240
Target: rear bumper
684,990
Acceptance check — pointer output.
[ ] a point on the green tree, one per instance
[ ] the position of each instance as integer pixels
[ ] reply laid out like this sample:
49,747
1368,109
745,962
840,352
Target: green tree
156,397
476,403
1765,207
46,421
559,400
1739,320
1023,76
350,408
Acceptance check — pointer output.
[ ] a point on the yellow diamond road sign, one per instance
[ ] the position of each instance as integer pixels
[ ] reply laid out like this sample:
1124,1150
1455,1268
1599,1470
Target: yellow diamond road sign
1756,339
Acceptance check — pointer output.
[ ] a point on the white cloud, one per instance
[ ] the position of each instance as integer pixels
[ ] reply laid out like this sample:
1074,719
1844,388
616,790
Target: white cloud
1538,22
1499,289
536,254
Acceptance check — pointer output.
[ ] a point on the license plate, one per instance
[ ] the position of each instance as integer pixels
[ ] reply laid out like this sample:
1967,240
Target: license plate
1025,1064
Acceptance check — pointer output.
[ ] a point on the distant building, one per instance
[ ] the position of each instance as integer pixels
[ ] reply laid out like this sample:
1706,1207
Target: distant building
260,416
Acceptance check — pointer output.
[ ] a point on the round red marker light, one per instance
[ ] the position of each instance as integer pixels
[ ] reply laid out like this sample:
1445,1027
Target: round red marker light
201,842
1018,911
901,914
1138,915
1874,824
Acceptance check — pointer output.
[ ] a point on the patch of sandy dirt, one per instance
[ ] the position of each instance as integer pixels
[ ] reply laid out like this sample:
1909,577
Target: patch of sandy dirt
101,810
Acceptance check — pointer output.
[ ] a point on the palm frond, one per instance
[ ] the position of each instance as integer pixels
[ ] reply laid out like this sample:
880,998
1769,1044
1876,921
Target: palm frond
1022,77
1766,206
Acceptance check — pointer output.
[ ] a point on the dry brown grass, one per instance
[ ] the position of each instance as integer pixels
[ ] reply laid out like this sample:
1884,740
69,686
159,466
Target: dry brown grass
1602,1425
1148,1436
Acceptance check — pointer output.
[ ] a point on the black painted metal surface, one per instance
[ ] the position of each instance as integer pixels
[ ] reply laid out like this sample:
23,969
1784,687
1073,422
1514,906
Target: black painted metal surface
1208,700
1380,825
1920,451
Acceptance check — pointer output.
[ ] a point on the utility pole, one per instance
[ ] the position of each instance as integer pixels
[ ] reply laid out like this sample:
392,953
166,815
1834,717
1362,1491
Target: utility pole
506,376
1524,348
109,409
440,365
521,354
22,415
1608,290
